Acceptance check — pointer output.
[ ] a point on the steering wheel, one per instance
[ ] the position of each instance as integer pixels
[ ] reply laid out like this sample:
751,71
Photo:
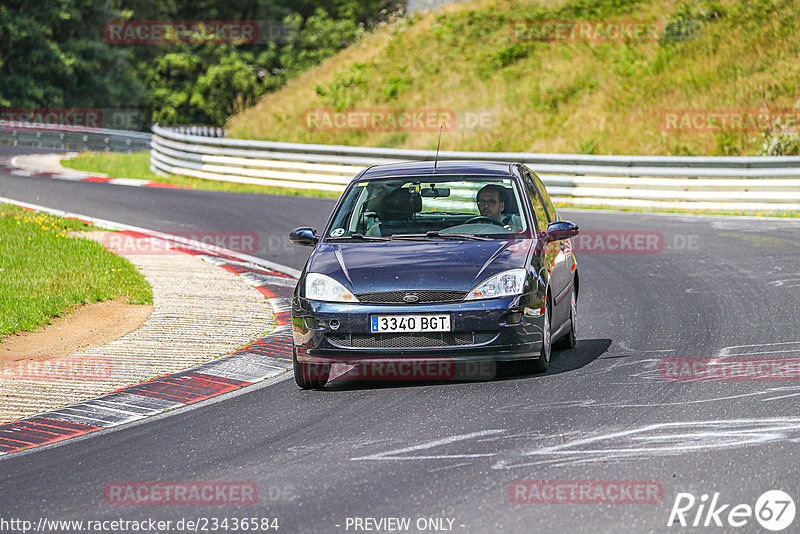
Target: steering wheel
485,218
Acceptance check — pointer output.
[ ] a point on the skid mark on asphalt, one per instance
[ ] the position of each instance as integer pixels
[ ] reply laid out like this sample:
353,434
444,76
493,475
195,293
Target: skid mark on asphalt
531,449
401,454
783,347
509,451
768,395
663,439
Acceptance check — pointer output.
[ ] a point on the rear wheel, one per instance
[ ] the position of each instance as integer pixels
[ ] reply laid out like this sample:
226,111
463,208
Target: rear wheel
310,375
569,340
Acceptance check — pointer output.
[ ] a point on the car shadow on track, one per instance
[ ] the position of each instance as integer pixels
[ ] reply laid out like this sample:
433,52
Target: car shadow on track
562,361
585,352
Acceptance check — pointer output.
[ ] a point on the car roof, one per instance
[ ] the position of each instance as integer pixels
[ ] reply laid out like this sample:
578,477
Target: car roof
425,168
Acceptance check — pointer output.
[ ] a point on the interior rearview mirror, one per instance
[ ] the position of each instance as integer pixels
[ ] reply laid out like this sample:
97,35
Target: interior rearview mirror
435,192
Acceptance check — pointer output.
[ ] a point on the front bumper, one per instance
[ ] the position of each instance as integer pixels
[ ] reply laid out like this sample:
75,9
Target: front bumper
482,330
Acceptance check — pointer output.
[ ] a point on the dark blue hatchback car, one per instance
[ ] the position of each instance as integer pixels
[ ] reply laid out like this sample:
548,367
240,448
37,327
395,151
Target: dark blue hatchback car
423,265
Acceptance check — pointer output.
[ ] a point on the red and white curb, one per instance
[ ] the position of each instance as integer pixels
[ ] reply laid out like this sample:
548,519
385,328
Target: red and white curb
265,358
11,168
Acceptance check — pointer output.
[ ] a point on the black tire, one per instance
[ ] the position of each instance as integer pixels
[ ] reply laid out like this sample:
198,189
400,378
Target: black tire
527,367
570,339
310,375
541,364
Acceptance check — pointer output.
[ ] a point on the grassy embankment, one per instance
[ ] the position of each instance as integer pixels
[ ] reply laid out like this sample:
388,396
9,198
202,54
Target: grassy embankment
561,96
46,272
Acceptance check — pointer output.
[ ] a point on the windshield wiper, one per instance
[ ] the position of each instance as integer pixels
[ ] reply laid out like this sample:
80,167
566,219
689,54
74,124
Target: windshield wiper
358,236
438,235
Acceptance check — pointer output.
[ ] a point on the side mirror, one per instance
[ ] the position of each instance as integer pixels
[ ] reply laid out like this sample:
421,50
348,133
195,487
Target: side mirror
304,236
558,230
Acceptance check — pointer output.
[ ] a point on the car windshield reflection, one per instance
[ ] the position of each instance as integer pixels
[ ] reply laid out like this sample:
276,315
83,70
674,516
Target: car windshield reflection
436,207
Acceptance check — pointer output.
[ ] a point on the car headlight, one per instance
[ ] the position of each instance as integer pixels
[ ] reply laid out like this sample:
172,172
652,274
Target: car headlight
505,284
325,288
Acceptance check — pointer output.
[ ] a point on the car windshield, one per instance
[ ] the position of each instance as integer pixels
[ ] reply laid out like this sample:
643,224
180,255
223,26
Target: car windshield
440,207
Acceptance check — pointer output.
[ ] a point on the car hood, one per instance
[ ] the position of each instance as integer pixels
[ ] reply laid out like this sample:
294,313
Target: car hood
415,265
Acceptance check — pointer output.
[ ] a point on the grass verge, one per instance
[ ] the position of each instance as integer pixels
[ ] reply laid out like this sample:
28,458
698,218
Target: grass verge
137,165
46,271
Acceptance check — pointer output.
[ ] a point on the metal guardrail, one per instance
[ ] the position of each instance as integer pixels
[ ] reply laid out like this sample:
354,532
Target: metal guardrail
73,138
745,183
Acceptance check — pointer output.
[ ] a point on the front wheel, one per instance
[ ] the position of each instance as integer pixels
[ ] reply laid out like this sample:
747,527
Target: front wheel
541,364
310,375
570,339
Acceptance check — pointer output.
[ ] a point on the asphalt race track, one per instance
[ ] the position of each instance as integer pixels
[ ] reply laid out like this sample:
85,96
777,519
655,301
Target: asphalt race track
608,410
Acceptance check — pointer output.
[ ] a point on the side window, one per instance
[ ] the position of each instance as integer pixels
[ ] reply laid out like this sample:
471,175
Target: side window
539,212
548,203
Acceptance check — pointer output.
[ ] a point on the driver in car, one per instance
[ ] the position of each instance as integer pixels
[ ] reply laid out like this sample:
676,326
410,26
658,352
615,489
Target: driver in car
491,201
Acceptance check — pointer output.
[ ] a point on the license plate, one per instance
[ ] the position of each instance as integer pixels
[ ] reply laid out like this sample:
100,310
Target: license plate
410,323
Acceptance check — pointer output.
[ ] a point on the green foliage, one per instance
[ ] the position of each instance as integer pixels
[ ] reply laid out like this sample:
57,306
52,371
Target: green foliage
320,38
688,21
596,8
779,140
170,82
53,54
226,88
347,87
396,84
511,54
588,145
727,144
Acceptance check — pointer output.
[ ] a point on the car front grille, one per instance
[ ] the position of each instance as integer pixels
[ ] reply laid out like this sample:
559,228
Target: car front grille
411,340
424,296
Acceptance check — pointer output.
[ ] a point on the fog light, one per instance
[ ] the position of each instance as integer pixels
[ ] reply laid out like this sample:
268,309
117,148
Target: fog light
514,318
334,324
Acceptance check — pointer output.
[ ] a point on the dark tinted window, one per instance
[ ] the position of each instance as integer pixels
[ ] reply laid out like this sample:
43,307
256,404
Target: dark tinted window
539,212
548,203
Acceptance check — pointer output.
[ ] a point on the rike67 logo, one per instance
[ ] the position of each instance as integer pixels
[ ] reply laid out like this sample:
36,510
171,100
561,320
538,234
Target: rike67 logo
774,510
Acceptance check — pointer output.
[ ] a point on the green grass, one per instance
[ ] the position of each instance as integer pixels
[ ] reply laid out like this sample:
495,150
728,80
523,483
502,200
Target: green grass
46,272
560,96
137,165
